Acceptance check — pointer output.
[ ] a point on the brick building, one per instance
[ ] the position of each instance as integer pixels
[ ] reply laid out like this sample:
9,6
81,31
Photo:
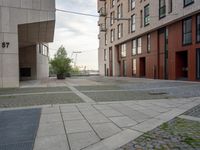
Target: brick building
150,38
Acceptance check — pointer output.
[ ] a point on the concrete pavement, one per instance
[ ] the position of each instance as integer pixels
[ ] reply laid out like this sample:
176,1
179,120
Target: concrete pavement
104,125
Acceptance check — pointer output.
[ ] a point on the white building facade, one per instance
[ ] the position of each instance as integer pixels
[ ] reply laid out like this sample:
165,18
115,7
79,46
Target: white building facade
26,28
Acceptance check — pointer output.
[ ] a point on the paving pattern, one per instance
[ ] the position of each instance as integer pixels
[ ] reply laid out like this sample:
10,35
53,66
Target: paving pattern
18,129
104,125
98,113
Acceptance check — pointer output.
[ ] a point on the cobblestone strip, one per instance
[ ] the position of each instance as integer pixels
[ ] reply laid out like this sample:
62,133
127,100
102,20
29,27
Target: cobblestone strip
80,94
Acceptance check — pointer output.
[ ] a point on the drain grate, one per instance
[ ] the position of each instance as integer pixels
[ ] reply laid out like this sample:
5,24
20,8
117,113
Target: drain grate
18,129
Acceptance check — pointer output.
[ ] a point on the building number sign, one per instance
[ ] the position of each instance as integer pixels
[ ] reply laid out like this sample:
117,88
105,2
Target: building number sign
5,44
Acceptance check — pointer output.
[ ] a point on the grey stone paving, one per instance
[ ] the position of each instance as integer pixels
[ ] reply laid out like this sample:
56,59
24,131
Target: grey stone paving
89,125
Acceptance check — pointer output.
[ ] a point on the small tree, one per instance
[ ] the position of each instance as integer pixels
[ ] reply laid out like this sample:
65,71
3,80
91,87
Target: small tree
61,63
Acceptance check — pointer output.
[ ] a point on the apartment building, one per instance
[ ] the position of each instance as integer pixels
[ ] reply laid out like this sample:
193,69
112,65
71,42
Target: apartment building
26,28
158,39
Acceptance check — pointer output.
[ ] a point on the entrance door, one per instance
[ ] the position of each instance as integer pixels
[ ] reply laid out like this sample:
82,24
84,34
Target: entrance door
182,65
124,68
198,63
142,67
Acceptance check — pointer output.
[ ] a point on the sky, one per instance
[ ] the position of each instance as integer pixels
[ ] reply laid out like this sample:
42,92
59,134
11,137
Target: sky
76,32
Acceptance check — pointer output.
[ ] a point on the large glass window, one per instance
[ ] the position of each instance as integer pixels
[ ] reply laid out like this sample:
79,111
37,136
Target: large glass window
123,50
146,15
162,9
139,45
187,31
132,23
134,47
198,28
134,67
188,2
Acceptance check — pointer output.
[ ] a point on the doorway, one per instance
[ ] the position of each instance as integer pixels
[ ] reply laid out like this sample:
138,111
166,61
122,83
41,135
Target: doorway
142,67
198,63
124,68
182,65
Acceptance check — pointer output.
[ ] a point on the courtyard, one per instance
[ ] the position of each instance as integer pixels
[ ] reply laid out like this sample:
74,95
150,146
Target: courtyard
100,113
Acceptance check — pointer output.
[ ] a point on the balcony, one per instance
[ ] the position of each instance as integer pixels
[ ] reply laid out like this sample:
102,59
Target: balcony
102,12
102,27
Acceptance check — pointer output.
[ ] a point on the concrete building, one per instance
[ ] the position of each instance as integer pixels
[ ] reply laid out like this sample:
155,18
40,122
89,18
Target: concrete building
26,28
150,38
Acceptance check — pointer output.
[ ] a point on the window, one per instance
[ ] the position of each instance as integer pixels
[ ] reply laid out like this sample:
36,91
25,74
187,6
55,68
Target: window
134,47
187,31
188,2
146,15
112,17
170,6
124,68
134,67
132,23
119,11
123,50
112,35
162,9
43,49
132,4
120,30
139,45
198,28
105,55
106,39
148,43
112,3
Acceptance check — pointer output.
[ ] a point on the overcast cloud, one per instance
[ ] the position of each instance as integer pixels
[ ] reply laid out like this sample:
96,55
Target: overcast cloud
77,33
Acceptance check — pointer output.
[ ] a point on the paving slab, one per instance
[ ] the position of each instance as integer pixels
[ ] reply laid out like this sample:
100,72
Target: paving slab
66,109
115,141
147,125
123,121
102,107
170,114
105,130
51,129
49,118
58,142
96,118
74,126
111,113
50,110
81,140
72,116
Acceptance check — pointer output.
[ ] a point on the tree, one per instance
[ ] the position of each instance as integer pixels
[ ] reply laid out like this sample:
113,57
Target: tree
61,63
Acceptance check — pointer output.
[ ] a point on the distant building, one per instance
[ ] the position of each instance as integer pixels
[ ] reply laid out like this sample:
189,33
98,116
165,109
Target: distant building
150,38
26,27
